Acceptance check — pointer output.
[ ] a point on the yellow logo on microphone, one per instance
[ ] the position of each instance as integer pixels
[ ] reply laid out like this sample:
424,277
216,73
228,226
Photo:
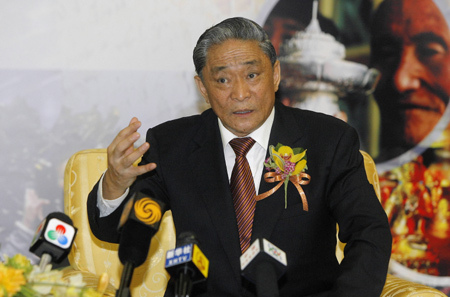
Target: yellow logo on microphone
147,211
199,259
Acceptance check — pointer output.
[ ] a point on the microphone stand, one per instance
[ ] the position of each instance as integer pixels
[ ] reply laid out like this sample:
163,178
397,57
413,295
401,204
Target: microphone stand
45,260
125,280
183,285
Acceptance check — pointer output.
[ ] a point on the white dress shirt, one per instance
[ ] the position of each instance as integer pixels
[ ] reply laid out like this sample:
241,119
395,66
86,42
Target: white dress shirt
255,155
255,158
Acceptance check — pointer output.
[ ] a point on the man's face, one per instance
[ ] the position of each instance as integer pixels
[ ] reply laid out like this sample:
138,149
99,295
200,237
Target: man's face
239,83
410,47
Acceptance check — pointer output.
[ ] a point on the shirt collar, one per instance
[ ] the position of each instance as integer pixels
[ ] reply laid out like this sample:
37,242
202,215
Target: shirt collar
260,135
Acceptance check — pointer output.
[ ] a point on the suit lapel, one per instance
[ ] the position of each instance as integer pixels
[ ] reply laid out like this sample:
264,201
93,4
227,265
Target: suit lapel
208,162
285,130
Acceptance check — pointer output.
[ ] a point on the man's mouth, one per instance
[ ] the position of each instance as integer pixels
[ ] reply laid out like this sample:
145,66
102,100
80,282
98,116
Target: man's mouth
241,112
409,105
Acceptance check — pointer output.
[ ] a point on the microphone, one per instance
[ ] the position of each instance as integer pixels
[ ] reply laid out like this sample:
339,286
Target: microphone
53,239
186,264
138,224
263,264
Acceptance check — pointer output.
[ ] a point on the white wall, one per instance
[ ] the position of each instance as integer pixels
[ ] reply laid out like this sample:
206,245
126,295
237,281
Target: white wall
73,73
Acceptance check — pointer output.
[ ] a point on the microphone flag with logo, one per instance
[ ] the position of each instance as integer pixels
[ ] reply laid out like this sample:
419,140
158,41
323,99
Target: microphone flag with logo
263,264
53,239
186,264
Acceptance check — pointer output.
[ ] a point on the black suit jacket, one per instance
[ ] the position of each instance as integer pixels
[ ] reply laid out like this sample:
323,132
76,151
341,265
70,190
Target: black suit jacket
191,178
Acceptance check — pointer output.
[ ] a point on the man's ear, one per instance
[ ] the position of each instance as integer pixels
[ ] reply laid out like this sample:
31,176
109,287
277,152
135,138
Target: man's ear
276,75
201,88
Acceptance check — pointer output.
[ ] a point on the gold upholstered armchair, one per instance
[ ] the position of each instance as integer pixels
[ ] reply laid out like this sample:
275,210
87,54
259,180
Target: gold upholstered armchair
94,257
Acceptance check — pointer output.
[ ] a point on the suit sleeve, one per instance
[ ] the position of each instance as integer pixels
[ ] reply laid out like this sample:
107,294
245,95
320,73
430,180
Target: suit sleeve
104,228
363,224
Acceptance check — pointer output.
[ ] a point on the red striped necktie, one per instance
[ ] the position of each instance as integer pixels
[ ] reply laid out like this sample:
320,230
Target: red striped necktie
243,190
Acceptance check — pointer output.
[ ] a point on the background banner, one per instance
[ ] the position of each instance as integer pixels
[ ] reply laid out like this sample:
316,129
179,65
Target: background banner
403,123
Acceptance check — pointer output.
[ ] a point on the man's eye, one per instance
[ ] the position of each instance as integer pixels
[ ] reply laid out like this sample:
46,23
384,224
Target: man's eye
222,80
252,75
429,50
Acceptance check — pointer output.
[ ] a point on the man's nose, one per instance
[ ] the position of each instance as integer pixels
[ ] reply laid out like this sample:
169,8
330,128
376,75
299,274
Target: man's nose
241,90
408,74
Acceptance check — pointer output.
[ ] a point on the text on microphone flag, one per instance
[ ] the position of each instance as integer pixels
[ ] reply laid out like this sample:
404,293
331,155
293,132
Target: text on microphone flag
262,246
274,251
186,253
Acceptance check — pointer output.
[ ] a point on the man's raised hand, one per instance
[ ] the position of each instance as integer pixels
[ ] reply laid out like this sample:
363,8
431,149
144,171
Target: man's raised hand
121,155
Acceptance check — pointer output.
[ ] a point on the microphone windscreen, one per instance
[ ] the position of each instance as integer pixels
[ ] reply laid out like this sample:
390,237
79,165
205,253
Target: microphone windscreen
61,216
134,243
186,238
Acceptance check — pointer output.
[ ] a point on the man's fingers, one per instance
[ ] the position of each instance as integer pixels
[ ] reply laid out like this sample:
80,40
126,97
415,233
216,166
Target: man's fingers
122,157
128,134
143,148
126,146
132,155
142,169
131,173
133,120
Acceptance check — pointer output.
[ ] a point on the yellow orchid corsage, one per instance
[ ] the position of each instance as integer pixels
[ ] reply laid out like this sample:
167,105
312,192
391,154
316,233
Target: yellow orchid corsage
286,164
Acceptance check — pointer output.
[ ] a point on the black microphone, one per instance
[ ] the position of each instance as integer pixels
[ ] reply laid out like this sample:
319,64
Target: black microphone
186,264
53,239
138,224
263,264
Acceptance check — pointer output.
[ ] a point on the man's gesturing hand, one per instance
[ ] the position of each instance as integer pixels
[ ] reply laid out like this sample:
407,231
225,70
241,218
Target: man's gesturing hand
121,155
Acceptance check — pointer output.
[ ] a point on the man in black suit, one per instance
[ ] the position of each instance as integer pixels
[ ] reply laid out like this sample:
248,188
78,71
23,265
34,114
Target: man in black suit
189,166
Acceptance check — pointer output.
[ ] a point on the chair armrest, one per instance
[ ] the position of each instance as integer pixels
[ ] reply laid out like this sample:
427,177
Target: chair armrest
397,287
91,280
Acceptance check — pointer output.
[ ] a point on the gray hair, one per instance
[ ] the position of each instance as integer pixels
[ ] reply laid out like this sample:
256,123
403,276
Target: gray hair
232,28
